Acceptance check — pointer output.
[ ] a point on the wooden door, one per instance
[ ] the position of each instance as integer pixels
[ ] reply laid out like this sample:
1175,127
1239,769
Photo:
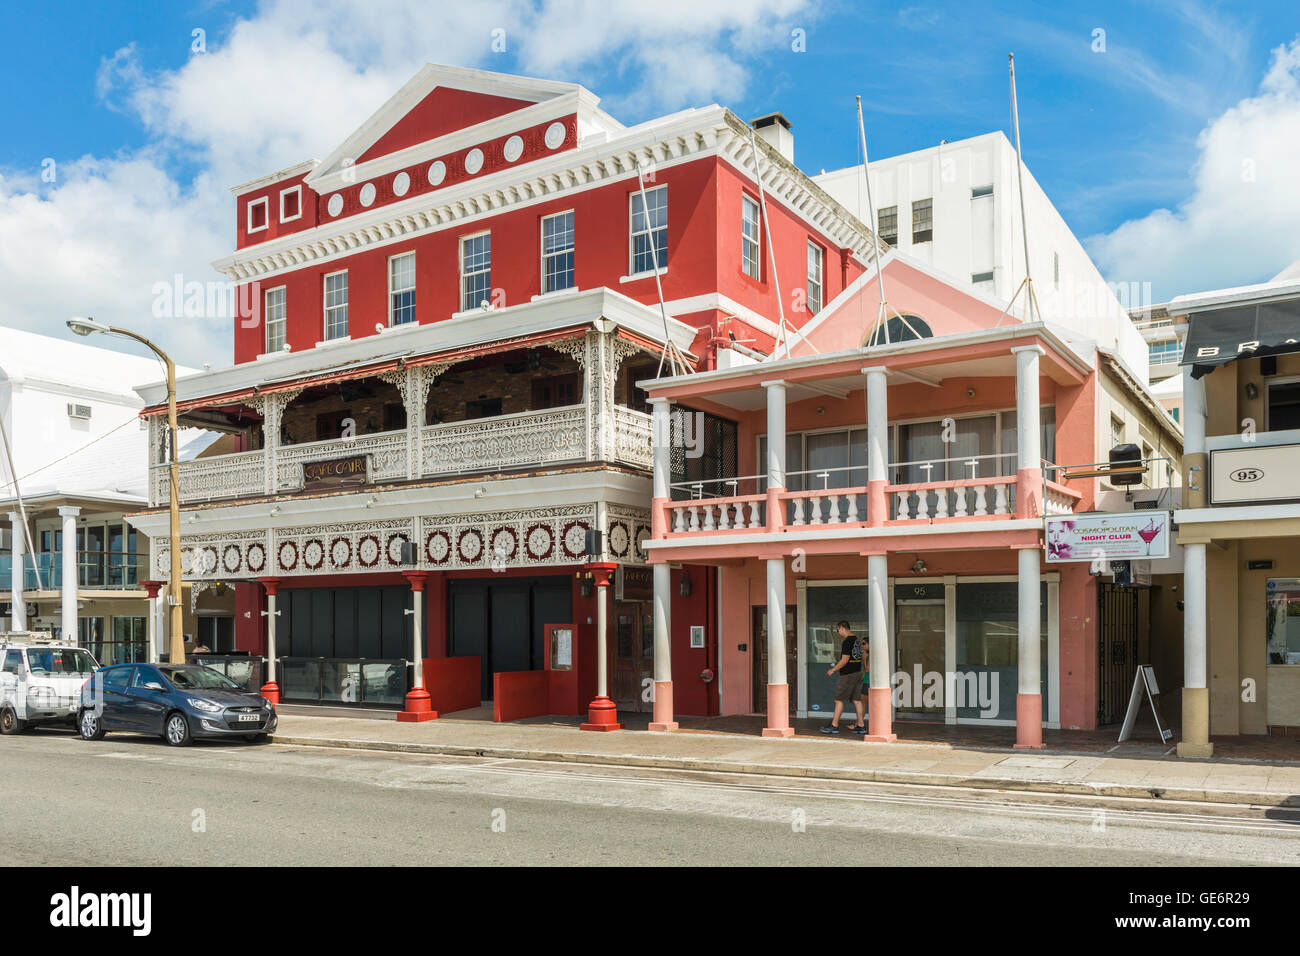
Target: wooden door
634,648
759,657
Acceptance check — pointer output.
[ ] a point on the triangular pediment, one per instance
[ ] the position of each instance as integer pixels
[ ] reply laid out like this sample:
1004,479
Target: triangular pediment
912,289
439,101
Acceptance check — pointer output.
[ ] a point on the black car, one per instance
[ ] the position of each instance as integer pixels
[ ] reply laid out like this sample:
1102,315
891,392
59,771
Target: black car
178,702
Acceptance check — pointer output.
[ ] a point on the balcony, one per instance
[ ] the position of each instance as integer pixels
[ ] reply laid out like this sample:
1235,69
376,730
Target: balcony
481,445
105,571
910,503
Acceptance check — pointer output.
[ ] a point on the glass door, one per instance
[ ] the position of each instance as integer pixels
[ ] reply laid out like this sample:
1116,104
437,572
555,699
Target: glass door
920,621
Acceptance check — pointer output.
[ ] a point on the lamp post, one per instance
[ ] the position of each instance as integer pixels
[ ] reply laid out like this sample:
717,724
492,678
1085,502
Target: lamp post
176,639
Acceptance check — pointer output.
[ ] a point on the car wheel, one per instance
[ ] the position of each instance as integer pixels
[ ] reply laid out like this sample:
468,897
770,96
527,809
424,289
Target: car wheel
90,726
9,722
178,729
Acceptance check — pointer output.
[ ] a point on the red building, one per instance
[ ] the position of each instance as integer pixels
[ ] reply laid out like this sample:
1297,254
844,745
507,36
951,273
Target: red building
441,329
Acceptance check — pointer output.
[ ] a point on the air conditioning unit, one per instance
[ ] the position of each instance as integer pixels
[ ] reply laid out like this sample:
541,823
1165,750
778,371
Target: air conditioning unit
78,411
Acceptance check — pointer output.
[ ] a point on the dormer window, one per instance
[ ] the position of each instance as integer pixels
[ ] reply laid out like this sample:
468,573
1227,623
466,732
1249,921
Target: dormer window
257,213
291,204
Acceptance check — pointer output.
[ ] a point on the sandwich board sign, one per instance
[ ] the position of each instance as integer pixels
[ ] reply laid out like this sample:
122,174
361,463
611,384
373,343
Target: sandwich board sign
1144,679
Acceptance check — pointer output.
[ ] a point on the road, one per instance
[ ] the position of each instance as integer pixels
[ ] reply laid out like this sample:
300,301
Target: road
132,800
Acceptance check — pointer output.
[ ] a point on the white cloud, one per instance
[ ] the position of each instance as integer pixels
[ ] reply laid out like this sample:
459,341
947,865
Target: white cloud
1238,226
292,82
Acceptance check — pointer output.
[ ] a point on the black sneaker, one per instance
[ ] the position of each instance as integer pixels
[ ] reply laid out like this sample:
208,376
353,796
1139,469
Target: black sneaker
831,729
858,730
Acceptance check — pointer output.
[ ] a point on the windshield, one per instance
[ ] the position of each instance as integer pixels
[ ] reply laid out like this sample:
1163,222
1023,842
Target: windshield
59,660
202,677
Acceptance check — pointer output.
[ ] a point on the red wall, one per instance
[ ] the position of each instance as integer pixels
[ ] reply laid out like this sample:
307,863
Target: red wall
453,683
703,257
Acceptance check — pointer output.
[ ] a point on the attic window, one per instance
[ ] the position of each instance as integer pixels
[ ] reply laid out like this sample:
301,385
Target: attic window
291,204
257,211
901,329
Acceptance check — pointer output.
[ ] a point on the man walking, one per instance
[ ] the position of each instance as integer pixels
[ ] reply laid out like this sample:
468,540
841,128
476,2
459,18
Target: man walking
848,688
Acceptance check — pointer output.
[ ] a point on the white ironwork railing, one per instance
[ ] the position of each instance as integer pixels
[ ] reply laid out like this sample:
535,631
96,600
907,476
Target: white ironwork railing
203,479
505,441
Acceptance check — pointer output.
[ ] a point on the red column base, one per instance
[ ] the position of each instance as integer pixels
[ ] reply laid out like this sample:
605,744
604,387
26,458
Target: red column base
778,711
663,708
602,714
418,707
880,716
1029,722
271,691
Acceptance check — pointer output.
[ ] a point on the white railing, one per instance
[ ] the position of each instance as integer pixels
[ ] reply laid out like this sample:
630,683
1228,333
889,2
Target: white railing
505,441
242,474
632,437
954,499
387,462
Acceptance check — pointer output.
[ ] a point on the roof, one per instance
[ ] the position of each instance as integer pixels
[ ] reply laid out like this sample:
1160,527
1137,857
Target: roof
1240,295
29,357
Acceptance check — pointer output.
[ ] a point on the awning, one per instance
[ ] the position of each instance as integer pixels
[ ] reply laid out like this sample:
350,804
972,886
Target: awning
1219,336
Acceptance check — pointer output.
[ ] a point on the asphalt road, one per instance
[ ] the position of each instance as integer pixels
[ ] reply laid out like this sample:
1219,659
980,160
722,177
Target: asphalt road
131,800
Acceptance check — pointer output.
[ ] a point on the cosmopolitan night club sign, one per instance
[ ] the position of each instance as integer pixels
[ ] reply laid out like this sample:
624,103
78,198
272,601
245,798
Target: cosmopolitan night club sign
1123,536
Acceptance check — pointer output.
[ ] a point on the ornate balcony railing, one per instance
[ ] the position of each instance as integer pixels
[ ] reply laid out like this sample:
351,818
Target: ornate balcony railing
221,476
387,461
632,436
505,441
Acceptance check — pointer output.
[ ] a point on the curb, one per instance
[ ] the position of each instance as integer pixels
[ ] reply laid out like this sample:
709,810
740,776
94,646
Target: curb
1237,797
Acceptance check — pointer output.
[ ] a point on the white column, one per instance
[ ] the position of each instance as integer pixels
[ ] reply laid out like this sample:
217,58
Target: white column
1194,617
70,577
151,628
661,447
877,445
1193,413
775,434
602,652
18,620
1028,448
776,673
1029,699
878,619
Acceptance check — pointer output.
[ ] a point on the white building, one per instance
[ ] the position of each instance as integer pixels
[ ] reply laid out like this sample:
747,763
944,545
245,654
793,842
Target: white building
79,451
956,207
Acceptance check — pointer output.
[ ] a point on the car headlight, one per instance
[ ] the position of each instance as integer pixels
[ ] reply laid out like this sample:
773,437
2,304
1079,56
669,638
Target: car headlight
204,705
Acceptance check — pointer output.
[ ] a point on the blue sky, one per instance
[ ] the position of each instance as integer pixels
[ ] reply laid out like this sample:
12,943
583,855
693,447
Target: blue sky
1166,133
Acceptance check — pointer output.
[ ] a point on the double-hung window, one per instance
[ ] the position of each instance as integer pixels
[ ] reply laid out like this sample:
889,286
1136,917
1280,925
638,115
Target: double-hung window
273,310
649,230
401,289
923,220
336,305
814,278
475,271
749,254
887,223
557,252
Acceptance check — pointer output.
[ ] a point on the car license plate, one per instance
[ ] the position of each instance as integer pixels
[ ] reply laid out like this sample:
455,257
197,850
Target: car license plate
254,718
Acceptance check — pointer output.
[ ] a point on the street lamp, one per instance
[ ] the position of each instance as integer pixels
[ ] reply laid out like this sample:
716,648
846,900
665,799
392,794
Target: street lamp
176,640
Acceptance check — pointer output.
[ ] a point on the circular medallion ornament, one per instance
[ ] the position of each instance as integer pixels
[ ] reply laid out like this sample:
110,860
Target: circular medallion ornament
208,560
574,539
401,184
437,173
470,545
642,535
555,134
230,558
335,204
288,555
368,551
438,547
394,549
256,557
367,194
539,542
505,543
164,559
619,540
514,148
340,552
187,560
473,161
313,554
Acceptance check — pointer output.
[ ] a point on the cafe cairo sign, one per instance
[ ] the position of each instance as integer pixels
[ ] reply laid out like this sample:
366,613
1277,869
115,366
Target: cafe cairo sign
336,473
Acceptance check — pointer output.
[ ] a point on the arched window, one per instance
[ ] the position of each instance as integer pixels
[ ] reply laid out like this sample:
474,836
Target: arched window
901,329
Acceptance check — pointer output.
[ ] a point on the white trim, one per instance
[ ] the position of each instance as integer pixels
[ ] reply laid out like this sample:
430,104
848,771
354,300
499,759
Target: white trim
325,306
1190,516
745,201
266,321
541,248
460,283
265,203
829,533
650,231
716,301
285,192
270,180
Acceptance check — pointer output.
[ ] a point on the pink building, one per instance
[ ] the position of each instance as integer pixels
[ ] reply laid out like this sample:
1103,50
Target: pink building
900,484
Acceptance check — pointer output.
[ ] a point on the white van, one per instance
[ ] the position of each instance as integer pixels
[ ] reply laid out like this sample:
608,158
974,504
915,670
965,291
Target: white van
40,681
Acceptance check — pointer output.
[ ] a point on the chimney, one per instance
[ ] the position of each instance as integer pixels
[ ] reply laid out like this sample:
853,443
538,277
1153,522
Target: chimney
775,130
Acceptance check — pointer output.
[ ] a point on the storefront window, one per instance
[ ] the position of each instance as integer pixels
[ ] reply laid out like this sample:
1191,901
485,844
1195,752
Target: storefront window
1282,622
988,649
826,607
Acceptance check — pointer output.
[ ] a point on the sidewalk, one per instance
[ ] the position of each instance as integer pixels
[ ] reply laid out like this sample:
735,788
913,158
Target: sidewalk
1141,770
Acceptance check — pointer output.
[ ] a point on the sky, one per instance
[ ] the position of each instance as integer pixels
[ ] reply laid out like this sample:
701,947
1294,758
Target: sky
1167,133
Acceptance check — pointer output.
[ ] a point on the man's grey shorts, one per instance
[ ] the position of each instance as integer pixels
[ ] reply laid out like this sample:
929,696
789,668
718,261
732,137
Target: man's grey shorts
849,687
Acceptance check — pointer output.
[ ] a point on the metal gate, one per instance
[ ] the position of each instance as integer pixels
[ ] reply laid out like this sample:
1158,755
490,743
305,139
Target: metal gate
1117,650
